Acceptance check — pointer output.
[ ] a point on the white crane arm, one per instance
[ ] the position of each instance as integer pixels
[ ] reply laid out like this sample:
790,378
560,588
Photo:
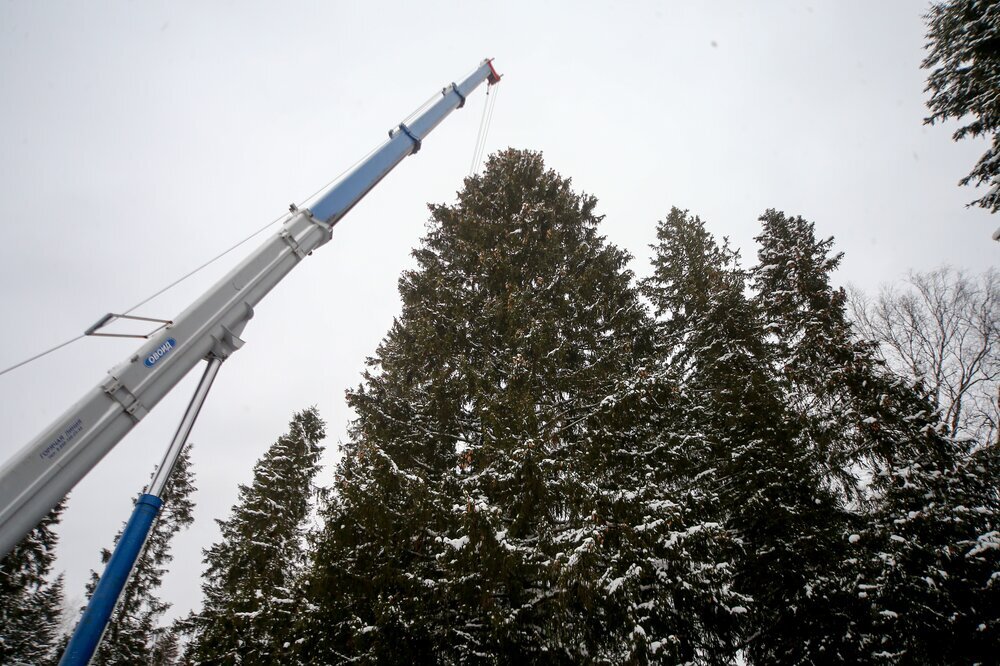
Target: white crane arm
37,477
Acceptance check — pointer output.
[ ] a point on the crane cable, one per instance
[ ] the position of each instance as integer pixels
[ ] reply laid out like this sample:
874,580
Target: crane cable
489,123
176,282
479,134
38,356
484,129
256,233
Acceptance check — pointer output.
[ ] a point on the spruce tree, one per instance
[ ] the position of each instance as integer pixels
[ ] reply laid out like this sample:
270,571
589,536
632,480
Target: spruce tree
855,415
492,504
249,584
851,411
166,646
930,554
30,604
711,364
964,59
742,446
914,585
846,415
132,633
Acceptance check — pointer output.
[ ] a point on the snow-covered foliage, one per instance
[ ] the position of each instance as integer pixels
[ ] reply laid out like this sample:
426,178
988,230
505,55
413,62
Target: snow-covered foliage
741,442
542,471
30,604
964,59
929,560
553,464
501,494
251,577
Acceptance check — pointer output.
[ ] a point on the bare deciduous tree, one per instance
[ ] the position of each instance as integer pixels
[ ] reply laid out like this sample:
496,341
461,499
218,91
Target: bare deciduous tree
943,329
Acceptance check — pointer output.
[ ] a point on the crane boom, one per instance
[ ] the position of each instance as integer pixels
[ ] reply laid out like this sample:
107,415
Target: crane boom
41,473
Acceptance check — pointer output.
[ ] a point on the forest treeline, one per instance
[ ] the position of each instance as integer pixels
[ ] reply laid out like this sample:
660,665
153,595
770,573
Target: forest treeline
553,462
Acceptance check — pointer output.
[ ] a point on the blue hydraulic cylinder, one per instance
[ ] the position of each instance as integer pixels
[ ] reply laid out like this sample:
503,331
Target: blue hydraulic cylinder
88,633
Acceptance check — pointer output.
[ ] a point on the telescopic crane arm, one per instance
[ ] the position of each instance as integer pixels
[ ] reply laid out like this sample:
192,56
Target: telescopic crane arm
48,467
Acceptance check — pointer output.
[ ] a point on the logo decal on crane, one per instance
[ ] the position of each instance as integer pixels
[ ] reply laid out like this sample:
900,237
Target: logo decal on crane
160,352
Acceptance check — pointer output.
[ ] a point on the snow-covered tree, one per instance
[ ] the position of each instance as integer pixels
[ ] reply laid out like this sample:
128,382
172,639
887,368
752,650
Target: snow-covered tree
929,556
850,411
249,584
30,604
166,646
710,362
918,571
133,634
964,59
499,499
742,445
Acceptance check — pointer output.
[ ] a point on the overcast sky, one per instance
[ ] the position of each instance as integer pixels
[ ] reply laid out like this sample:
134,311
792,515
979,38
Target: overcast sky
139,139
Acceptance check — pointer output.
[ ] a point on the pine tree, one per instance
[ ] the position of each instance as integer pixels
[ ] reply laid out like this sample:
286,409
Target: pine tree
31,605
964,59
493,504
132,633
249,583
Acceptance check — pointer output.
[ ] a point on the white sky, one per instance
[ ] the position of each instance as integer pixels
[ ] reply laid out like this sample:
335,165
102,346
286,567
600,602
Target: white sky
139,139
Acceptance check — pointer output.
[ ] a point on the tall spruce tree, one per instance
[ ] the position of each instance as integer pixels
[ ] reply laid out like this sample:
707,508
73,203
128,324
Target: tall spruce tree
30,604
915,582
493,503
249,584
132,633
848,414
711,362
742,449
851,411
